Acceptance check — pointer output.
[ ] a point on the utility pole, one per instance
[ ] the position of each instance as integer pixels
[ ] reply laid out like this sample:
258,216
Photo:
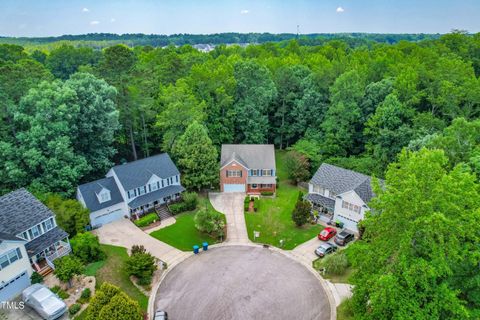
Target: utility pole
298,30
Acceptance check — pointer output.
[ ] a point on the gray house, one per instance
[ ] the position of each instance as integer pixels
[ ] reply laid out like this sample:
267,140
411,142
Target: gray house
340,194
29,237
132,188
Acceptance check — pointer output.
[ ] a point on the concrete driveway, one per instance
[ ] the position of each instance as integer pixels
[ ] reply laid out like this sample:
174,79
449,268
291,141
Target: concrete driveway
306,250
242,282
125,234
231,204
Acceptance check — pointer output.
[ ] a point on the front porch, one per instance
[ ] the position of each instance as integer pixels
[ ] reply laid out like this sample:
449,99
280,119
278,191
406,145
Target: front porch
153,206
322,207
258,189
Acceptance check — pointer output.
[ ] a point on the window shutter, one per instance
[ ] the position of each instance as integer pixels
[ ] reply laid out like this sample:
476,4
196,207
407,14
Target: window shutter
241,173
260,172
226,173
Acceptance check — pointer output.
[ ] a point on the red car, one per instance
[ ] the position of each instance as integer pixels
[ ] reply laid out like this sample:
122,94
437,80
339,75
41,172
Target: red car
327,234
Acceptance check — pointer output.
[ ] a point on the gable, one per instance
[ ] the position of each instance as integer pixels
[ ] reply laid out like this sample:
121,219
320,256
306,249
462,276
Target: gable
251,156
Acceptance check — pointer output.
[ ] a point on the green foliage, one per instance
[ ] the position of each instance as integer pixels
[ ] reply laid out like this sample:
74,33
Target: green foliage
109,302
70,215
301,212
197,158
67,267
142,265
335,264
267,193
189,202
146,220
137,249
210,222
85,296
58,291
418,257
65,60
86,247
297,166
74,308
36,278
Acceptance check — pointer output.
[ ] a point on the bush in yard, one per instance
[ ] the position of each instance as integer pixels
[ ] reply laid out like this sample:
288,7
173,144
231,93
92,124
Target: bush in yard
301,213
110,303
86,293
297,166
62,294
74,308
137,249
146,220
267,193
190,199
246,203
209,221
141,265
36,278
336,264
67,267
86,247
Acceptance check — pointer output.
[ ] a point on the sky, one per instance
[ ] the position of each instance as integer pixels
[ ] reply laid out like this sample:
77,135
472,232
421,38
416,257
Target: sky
57,17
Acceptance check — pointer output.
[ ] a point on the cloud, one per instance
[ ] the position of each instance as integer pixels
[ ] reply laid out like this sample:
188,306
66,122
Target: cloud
85,10
340,10
94,22
112,20
244,11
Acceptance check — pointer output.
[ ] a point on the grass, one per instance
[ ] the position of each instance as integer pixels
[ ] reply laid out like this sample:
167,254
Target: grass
273,219
183,234
344,310
112,271
92,268
334,278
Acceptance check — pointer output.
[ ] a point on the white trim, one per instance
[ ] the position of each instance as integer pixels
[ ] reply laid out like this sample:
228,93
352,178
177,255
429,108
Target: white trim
233,160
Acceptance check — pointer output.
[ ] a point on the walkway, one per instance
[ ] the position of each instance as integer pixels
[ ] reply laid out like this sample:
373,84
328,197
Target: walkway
231,204
125,234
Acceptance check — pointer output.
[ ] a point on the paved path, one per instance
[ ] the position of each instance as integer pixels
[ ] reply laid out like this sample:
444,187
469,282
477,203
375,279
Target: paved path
242,282
231,204
306,250
125,234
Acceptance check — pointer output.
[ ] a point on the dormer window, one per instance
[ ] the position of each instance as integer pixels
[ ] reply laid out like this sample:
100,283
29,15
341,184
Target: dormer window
104,196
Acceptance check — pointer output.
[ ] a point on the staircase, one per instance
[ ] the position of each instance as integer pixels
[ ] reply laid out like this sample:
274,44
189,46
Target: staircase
163,212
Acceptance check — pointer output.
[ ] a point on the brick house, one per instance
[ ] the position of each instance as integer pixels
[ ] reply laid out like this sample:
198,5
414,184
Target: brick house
248,168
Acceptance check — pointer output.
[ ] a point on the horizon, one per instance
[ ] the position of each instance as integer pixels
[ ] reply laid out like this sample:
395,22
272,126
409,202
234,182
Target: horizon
56,18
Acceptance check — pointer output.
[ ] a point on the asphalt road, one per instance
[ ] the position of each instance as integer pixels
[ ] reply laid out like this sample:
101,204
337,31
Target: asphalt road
241,282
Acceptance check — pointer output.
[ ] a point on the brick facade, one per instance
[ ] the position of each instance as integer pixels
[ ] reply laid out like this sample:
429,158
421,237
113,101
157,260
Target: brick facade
260,189
233,180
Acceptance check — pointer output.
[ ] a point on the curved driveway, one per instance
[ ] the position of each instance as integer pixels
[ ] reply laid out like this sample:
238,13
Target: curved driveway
231,204
242,282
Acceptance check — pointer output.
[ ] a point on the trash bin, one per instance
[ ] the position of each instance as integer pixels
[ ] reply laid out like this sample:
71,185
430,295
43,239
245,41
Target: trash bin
205,246
195,249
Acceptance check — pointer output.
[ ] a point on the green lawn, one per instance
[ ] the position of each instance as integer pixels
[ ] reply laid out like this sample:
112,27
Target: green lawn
92,268
183,234
273,219
112,271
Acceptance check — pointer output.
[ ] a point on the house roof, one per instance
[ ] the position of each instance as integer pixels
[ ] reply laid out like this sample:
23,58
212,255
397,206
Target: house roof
137,173
155,195
252,156
45,240
90,190
341,180
321,200
9,237
20,210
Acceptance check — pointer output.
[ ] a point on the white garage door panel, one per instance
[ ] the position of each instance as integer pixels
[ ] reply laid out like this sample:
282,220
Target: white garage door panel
233,188
107,218
14,287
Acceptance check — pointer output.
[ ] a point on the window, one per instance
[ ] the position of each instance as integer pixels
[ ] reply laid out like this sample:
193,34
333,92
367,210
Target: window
266,172
176,178
254,172
254,186
10,257
171,180
162,184
153,186
130,194
104,196
141,190
332,194
351,207
35,231
47,225
234,173
318,189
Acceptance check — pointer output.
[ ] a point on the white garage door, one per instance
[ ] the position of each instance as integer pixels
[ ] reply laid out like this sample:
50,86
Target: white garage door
233,188
107,218
10,289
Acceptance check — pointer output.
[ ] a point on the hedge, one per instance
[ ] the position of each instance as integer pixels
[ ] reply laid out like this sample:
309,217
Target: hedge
146,220
74,308
267,193
189,202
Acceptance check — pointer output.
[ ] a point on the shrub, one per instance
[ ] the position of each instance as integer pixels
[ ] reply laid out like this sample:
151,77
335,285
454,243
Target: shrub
146,220
36,278
301,213
189,202
141,265
86,293
86,247
176,208
256,205
66,267
74,308
209,221
267,193
246,203
336,264
58,291
137,249
297,166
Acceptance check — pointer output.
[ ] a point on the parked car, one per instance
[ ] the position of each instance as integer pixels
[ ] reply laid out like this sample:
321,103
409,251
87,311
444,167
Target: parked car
47,304
161,315
325,248
344,237
327,234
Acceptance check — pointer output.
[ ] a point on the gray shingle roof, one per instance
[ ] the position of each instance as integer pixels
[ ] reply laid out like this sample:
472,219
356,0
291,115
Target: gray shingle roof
45,240
321,200
90,190
155,195
20,210
8,237
252,156
341,180
137,173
